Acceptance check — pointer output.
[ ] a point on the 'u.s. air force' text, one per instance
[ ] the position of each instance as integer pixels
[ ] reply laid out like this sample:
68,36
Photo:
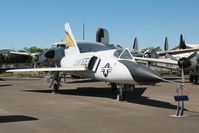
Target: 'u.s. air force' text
82,62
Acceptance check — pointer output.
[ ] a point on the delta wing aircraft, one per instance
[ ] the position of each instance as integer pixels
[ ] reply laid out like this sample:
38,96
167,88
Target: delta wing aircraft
116,66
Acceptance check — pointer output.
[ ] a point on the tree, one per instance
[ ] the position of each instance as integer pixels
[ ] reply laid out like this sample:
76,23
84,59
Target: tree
152,48
32,49
157,49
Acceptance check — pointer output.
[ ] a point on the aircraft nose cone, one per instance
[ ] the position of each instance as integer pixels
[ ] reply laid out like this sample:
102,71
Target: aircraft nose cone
50,54
145,75
141,73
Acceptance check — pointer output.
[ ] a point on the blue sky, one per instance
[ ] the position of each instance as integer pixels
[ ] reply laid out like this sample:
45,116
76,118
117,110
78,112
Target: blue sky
26,23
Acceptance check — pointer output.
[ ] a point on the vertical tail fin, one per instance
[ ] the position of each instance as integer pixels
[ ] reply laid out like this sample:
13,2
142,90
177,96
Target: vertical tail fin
135,44
70,40
166,44
182,44
102,36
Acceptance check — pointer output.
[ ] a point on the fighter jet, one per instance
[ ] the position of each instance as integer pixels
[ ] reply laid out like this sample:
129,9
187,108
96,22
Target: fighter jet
115,66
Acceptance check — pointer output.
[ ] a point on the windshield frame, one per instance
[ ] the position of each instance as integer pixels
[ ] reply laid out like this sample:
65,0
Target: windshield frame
120,52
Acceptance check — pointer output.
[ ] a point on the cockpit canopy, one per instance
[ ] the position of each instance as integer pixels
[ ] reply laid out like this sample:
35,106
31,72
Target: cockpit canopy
59,45
123,54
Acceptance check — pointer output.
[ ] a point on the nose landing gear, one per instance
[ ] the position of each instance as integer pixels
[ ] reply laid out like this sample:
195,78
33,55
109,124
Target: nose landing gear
55,82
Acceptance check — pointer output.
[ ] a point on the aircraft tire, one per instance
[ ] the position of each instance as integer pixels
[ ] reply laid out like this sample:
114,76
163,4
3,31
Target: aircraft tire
113,86
191,78
196,79
120,98
55,88
75,77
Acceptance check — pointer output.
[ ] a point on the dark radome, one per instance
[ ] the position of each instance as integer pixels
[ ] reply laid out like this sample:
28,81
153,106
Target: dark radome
141,73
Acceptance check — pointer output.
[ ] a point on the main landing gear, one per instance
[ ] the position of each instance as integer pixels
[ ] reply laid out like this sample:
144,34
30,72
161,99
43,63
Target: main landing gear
121,88
55,80
120,95
194,79
55,88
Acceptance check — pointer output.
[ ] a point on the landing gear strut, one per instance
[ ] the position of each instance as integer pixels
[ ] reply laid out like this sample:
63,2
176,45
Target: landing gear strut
55,88
120,95
113,86
55,82
191,78
194,79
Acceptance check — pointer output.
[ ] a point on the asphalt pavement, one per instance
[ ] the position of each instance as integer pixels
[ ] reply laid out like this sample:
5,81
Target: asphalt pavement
28,106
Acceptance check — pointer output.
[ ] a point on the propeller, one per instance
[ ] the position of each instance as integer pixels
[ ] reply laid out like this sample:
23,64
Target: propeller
186,62
171,57
183,62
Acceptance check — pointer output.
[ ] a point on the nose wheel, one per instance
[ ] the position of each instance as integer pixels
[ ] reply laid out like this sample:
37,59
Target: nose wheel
194,79
55,82
120,95
191,78
55,88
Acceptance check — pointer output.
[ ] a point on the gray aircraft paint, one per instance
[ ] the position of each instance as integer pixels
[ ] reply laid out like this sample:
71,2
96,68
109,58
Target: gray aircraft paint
138,71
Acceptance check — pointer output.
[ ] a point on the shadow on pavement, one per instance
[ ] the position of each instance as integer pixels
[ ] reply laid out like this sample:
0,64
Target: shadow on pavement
131,97
16,118
3,85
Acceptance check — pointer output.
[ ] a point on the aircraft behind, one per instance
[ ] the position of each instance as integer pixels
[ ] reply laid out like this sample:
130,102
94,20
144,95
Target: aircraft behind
52,57
186,58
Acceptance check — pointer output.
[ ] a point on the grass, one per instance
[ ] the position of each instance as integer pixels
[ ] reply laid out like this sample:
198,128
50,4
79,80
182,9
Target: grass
23,75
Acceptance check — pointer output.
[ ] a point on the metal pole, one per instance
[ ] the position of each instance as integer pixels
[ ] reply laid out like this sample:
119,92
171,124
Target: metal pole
83,31
182,107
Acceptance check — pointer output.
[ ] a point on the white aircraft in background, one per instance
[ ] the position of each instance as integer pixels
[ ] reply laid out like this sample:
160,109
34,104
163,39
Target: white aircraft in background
9,51
116,66
187,58
52,56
